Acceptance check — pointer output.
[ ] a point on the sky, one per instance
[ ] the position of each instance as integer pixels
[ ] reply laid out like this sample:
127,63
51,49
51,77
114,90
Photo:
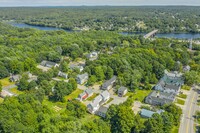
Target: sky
10,3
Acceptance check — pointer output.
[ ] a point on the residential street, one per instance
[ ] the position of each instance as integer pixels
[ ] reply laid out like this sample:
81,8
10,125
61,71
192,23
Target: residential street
187,120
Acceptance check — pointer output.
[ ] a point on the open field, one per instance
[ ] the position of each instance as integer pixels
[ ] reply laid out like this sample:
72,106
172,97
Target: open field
74,94
139,95
6,82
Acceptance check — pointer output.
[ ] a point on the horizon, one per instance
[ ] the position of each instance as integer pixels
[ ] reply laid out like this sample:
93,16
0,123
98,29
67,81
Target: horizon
64,3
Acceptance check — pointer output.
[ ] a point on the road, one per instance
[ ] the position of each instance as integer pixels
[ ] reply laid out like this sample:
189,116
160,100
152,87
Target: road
187,121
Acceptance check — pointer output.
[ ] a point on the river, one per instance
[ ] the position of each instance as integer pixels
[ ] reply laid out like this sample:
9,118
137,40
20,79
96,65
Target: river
159,35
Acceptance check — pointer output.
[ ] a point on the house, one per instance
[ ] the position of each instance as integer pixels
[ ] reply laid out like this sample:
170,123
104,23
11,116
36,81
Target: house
105,97
102,111
76,66
148,113
15,78
109,84
186,68
160,98
94,106
31,77
49,64
82,78
5,93
61,74
92,55
86,94
171,82
122,91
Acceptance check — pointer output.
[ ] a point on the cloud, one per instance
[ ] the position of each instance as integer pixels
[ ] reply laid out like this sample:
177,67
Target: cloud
95,2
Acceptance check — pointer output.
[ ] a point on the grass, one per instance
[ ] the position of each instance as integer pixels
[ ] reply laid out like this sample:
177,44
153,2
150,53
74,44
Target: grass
185,87
52,105
74,94
89,117
182,96
92,97
16,91
179,101
175,129
108,101
6,82
1,100
139,95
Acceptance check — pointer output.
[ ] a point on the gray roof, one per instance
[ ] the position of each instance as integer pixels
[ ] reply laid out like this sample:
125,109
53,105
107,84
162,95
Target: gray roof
147,113
89,91
122,89
109,82
45,63
103,109
161,96
82,76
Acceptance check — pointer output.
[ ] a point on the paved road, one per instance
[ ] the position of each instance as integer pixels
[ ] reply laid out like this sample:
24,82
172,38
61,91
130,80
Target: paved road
9,87
187,121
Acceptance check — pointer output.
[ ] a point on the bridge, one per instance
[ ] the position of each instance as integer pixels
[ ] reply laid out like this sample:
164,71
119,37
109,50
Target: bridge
151,34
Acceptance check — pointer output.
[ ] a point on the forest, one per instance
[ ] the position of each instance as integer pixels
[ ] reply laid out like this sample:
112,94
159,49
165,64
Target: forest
137,62
173,19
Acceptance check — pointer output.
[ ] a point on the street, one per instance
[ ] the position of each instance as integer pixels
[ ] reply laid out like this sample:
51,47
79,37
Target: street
190,107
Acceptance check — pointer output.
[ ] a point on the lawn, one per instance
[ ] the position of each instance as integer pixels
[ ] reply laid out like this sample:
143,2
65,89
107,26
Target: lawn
182,96
6,82
139,95
89,117
185,87
52,105
1,100
179,101
74,94
92,97
16,91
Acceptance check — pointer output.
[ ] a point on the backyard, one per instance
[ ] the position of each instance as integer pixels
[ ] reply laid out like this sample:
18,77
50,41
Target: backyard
6,82
139,95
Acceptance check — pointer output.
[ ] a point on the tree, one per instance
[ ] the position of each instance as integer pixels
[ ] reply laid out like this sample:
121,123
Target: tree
73,82
3,72
109,72
191,77
60,90
92,80
23,84
167,121
32,85
154,124
76,109
99,73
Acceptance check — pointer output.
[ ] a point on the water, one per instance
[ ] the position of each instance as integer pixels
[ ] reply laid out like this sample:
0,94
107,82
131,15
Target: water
164,35
170,35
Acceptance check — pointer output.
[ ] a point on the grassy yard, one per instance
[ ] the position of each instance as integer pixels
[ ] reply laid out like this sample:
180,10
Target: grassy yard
89,117
179,101
1,100
185,87
6,82
139,95
74,94
52,105
182,96
92,97
16,91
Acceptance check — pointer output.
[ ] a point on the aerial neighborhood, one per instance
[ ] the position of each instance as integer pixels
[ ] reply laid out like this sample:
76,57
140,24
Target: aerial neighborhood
99,69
